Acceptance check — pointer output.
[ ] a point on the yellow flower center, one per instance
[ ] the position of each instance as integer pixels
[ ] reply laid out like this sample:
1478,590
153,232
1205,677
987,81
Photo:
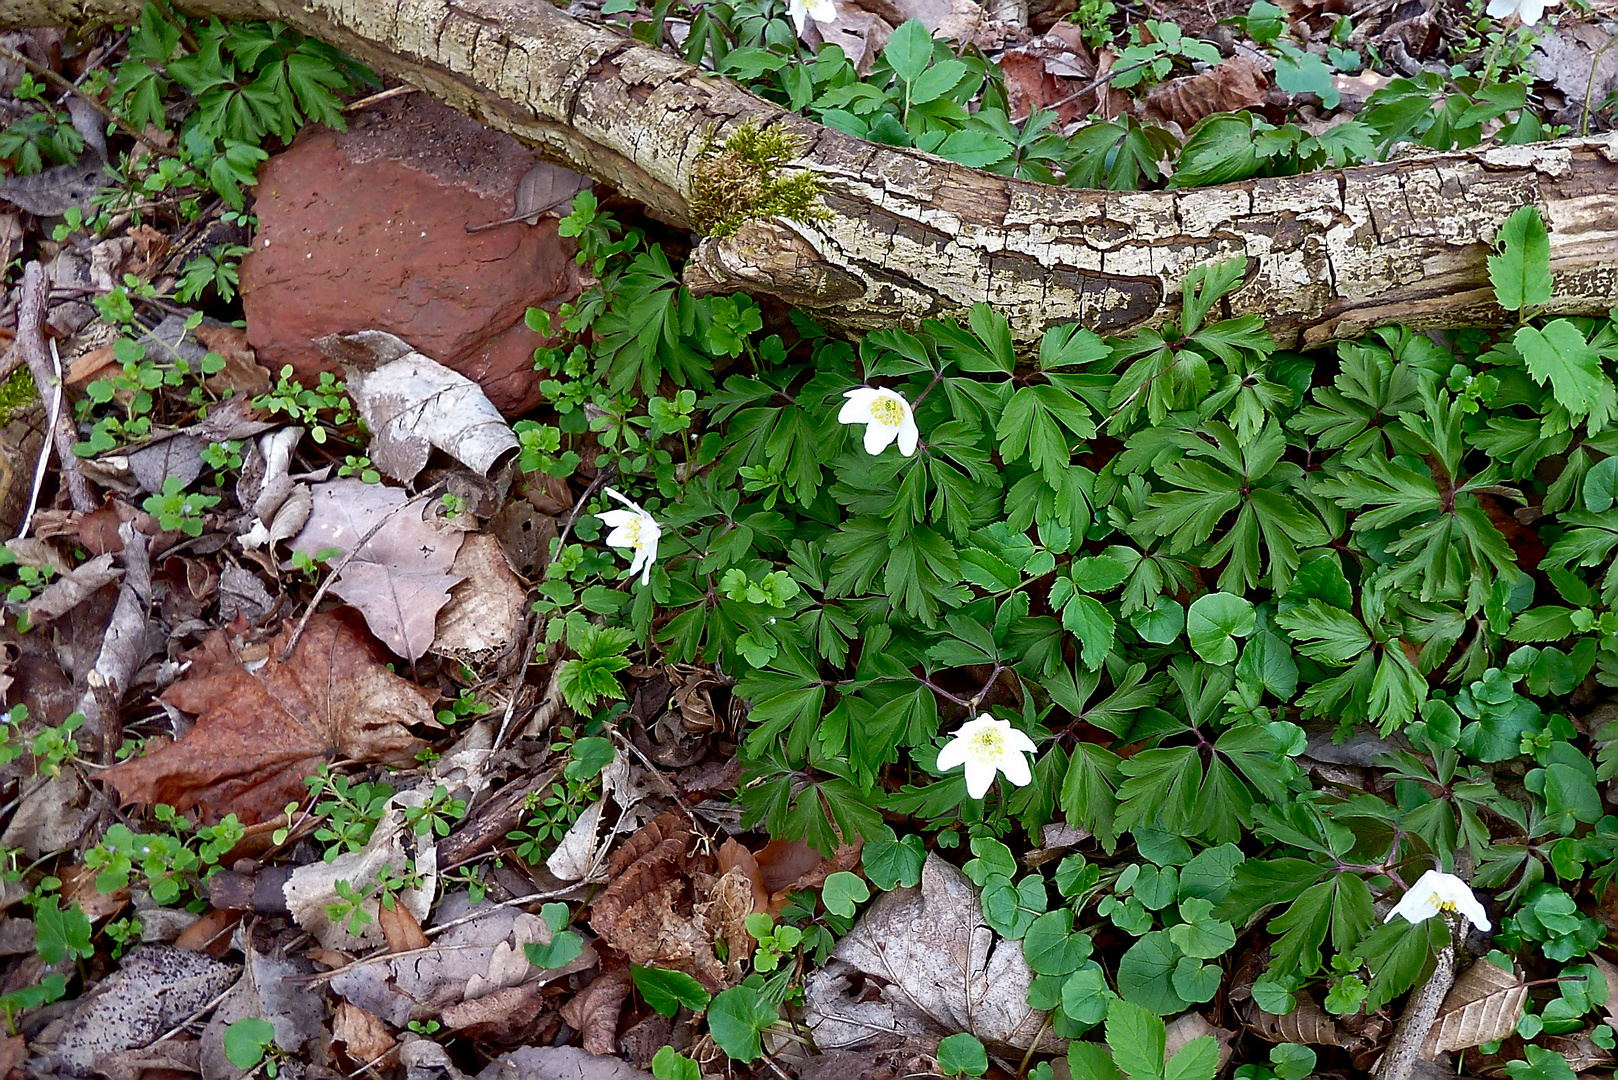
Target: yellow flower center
989,743
888,411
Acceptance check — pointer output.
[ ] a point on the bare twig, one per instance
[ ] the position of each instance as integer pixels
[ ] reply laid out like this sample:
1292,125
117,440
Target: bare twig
31,339
44,448
378,98
1404,1049
342,564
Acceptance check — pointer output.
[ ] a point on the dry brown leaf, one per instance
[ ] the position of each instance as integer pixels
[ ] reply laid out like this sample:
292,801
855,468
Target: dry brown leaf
502,1016
259,733
467,962
1194,1026
937,968
1308,1024
401,577
400,929
364,1034
242,373
650,879
594,1012
1484,1005
1231,86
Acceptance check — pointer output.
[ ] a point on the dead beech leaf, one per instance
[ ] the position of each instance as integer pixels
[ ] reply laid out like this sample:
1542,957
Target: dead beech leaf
364,1035
1308,1024
1231,86
594,1012
401,577
1484,1005
937,968
486,610
259,733
400,928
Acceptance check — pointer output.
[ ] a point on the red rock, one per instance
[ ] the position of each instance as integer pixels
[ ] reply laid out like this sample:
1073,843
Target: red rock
366,230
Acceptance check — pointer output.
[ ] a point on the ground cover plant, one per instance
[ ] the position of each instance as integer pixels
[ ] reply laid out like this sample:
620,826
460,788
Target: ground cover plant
1254,705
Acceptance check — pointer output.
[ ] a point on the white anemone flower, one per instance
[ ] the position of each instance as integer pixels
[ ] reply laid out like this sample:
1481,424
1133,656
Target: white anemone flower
986,746
1529,11
634,529
886,416
1436,892
822,11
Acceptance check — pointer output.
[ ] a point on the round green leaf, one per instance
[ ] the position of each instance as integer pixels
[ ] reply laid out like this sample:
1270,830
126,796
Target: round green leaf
962,1055
1051,947
736,1020
1215,621
842,892
665,991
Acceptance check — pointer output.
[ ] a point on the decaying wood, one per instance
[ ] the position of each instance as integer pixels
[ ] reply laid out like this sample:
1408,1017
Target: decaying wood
912,236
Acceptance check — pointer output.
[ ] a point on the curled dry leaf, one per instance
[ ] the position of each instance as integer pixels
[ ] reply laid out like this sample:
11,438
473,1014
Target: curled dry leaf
594,1012
259,733
401,577
485,613
1231,86
467,962
1484,1005
363,1034
70,590
938,969
413,403
269,988
651,878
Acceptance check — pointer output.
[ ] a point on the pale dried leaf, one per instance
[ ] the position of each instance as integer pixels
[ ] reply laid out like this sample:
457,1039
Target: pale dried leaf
312,888
1484,1005
468,961
154,988
401,577
69,591
178,456
412,402
559,1063
1193,1026
486,611
940,970
1308,1024
546,187
269,988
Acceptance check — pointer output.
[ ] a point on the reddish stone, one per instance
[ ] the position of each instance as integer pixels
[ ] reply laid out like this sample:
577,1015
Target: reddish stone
366,230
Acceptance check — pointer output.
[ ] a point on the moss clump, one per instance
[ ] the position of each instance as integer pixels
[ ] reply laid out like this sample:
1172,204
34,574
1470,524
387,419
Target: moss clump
16,393
742,179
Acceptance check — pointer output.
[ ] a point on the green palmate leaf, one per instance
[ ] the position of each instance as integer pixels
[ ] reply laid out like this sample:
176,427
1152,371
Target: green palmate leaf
1521,273
737,1019
893,863
1146,975
1202,934
1051,947
246,1041
843,892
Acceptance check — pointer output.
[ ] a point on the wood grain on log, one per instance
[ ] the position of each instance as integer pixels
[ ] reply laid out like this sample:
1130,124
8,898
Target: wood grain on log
911,236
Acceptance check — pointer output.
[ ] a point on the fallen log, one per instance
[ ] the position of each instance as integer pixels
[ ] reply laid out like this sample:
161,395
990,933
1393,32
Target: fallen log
1331,254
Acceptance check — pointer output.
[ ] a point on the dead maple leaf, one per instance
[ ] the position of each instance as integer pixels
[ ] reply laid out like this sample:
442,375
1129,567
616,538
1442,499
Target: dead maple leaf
259,733
1233,85
595,1010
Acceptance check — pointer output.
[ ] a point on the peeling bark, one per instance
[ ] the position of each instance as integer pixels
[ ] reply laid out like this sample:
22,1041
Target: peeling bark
1331,254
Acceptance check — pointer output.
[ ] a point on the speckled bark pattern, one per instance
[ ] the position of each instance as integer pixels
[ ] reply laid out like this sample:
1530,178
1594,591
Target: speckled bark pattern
1331,253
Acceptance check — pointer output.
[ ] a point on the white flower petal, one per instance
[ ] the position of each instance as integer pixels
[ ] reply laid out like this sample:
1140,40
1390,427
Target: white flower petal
1531,11
1015,766
979,775
613,519
621,497
822,11
909,434
1019,741
878,436
1499,9
857,408
953,754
